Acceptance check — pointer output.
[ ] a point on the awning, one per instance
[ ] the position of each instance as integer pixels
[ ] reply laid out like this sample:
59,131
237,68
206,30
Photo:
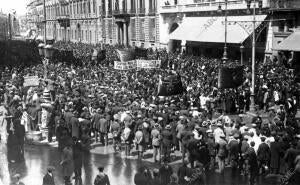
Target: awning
212,29
291,43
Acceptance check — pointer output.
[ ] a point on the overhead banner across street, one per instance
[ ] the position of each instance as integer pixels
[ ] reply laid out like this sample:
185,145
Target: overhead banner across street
139,64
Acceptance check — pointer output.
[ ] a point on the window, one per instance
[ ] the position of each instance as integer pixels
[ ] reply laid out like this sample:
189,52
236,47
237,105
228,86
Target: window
281,26
110,29
142,29
152,29
89,7
90,36
104,29
94,6
132,29
142,4
133,7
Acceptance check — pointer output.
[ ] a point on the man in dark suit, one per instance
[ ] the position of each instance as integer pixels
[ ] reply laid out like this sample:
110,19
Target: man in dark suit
48,179
167,139
253,165
263,155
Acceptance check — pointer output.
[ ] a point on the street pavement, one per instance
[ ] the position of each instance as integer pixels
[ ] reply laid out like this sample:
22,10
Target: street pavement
120,169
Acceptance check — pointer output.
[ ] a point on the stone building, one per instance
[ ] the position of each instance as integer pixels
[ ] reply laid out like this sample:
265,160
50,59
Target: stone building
130,22
3,26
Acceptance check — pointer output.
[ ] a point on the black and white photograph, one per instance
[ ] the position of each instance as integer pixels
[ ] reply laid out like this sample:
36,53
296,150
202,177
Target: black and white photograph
149,92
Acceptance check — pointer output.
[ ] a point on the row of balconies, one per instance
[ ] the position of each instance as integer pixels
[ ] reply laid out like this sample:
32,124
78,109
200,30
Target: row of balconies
73,16
231,5
142,11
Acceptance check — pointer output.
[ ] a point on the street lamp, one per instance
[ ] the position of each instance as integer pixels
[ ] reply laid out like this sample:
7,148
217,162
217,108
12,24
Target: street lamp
225,57
48,50
252,97
41,49
242,54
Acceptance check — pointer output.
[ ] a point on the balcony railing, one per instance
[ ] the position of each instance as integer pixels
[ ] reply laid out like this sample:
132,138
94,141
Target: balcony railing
120,12
109,12
152,10
141,11
207,6
284,4
132,11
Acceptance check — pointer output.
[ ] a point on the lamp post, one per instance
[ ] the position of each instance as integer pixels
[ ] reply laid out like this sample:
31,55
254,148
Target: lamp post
252,97
45,51
242,54
225,56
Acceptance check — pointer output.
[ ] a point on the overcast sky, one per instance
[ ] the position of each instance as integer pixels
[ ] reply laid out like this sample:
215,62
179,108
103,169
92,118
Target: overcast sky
18,5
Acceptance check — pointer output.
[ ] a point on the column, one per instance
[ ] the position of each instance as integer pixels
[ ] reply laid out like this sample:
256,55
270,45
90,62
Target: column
125,31
121,33
118,33
286,26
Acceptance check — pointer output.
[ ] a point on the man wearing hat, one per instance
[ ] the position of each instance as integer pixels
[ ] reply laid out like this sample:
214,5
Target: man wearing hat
211,146
101,178
234,149
48,178
222,152
167,141
17,181
67,162
186,136
155,135
263,155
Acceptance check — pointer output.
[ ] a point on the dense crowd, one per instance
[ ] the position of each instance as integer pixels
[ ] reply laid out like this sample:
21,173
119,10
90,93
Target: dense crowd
94,102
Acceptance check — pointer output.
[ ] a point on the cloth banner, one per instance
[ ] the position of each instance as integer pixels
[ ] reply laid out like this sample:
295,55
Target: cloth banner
148,64
140,52
126,55
31,81
170,86
230,77
125,65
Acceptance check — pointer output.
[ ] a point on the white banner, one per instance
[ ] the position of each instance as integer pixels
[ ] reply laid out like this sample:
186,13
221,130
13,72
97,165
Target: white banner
139,64
125,65
31,81
148,64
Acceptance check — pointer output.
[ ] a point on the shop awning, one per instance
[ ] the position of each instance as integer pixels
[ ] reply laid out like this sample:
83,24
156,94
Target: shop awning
291,43
212,29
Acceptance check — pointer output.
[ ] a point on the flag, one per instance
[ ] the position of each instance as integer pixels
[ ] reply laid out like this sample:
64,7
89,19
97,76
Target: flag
126,55
170,86
140,52
230,77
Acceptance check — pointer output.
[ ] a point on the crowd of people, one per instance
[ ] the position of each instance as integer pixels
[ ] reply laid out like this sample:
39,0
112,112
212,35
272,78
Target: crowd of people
95,103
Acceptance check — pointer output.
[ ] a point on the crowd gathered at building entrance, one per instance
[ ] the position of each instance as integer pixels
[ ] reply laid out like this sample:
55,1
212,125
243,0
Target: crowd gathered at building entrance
95,103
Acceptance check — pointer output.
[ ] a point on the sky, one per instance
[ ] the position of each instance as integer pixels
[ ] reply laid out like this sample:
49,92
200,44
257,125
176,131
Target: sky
18,5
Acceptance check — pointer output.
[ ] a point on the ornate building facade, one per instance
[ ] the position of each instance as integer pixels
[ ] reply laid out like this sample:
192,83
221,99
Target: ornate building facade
130,22
126,22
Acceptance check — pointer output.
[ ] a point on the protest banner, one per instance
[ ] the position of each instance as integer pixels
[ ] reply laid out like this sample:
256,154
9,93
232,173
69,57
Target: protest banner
31,81
125,65
148,64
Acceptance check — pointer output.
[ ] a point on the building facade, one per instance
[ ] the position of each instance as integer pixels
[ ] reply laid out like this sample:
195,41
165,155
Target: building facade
3,26
198,26
287,16
130,22
126,22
